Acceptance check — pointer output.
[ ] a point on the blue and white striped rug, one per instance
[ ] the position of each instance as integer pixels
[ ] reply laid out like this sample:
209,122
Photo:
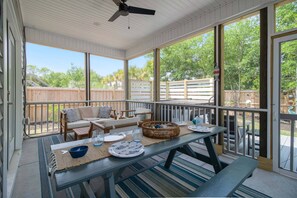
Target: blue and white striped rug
147,178
183,177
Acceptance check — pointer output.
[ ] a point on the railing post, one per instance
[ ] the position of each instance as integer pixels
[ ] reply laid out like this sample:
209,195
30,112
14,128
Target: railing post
87,77
167,90
156,75
126,82
185,89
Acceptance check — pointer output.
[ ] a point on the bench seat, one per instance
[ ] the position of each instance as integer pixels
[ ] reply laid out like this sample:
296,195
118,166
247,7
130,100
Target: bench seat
226,182
85,123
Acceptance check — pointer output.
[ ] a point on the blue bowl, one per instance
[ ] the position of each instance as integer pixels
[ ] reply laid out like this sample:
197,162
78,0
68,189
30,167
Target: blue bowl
78,151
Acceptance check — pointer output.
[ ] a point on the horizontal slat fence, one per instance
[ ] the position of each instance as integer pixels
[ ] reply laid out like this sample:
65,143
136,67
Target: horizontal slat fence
202,89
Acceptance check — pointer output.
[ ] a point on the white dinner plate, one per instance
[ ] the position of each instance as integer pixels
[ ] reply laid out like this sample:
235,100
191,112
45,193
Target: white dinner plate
201,129
115,137
125,149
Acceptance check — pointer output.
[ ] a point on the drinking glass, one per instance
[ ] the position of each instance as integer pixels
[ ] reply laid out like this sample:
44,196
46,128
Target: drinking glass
98,138
137,135
199,121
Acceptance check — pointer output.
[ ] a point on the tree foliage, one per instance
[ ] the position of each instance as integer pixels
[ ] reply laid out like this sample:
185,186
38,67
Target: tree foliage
242,54
189,59
286,16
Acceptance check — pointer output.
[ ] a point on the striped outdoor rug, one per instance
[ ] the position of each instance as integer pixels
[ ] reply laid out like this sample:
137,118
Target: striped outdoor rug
183,177
147,178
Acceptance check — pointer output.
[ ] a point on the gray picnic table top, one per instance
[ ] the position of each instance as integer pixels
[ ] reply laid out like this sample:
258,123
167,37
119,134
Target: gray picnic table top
107,166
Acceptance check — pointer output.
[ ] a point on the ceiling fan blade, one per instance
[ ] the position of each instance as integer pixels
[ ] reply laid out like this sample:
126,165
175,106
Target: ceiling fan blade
137,10
115,16
117,2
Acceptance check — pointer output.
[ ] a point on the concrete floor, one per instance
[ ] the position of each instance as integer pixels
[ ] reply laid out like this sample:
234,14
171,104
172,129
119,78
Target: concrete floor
28,178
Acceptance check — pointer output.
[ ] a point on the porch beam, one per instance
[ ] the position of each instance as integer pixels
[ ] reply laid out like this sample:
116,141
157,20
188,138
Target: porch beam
219,55
156,86
87,78
126,83
263,80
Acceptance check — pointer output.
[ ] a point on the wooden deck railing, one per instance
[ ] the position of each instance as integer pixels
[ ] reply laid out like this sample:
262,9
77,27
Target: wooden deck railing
242,123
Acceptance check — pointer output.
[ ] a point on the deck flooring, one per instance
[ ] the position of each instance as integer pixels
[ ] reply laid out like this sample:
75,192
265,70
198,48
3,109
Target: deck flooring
28,179
285,153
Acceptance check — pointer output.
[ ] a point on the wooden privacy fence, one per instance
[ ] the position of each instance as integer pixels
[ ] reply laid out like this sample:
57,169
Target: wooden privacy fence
200,89
47,94
141,90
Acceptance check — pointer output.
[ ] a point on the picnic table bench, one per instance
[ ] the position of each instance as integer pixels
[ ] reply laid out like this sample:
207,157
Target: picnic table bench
226,182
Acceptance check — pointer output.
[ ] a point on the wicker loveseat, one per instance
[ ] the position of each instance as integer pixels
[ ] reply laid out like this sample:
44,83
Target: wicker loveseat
72,118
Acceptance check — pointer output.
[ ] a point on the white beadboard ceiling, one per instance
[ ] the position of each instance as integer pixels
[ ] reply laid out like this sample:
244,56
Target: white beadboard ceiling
88,19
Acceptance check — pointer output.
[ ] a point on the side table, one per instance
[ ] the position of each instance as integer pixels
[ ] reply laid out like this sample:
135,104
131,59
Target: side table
79,133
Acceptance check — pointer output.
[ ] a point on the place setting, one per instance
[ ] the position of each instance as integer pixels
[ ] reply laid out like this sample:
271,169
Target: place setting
199,126
127,149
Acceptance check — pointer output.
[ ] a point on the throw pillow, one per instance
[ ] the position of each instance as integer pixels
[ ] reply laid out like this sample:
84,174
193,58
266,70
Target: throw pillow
72,114
86,112
104,112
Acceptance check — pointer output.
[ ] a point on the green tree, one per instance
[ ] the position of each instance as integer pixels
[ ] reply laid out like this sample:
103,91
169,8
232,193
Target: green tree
190,59
96,80
56,79
76,77
242,54
286,16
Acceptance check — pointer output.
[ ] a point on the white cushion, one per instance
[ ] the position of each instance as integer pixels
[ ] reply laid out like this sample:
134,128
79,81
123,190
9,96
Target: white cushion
110,123
84,123
78,124
95,111
90,119
102,120
86,112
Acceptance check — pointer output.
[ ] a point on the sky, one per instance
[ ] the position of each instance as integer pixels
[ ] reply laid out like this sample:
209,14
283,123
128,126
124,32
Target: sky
59,60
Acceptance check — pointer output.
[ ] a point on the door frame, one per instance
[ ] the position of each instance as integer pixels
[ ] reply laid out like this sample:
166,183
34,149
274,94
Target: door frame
11,73
11,18
276,42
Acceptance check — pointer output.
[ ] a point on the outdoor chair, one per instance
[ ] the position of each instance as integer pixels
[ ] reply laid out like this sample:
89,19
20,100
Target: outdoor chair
143,114
73,118
233,131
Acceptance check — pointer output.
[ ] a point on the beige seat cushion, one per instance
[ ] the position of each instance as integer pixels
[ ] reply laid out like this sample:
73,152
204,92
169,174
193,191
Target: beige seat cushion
110,123
86,112
95,112
86,123
78,124
90,119
102,120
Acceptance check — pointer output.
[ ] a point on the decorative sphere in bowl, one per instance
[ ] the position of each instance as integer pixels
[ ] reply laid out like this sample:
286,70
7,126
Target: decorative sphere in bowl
78,151
157,126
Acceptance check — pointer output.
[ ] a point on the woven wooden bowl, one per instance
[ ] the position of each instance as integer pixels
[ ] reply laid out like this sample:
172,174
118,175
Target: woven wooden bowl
149,130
